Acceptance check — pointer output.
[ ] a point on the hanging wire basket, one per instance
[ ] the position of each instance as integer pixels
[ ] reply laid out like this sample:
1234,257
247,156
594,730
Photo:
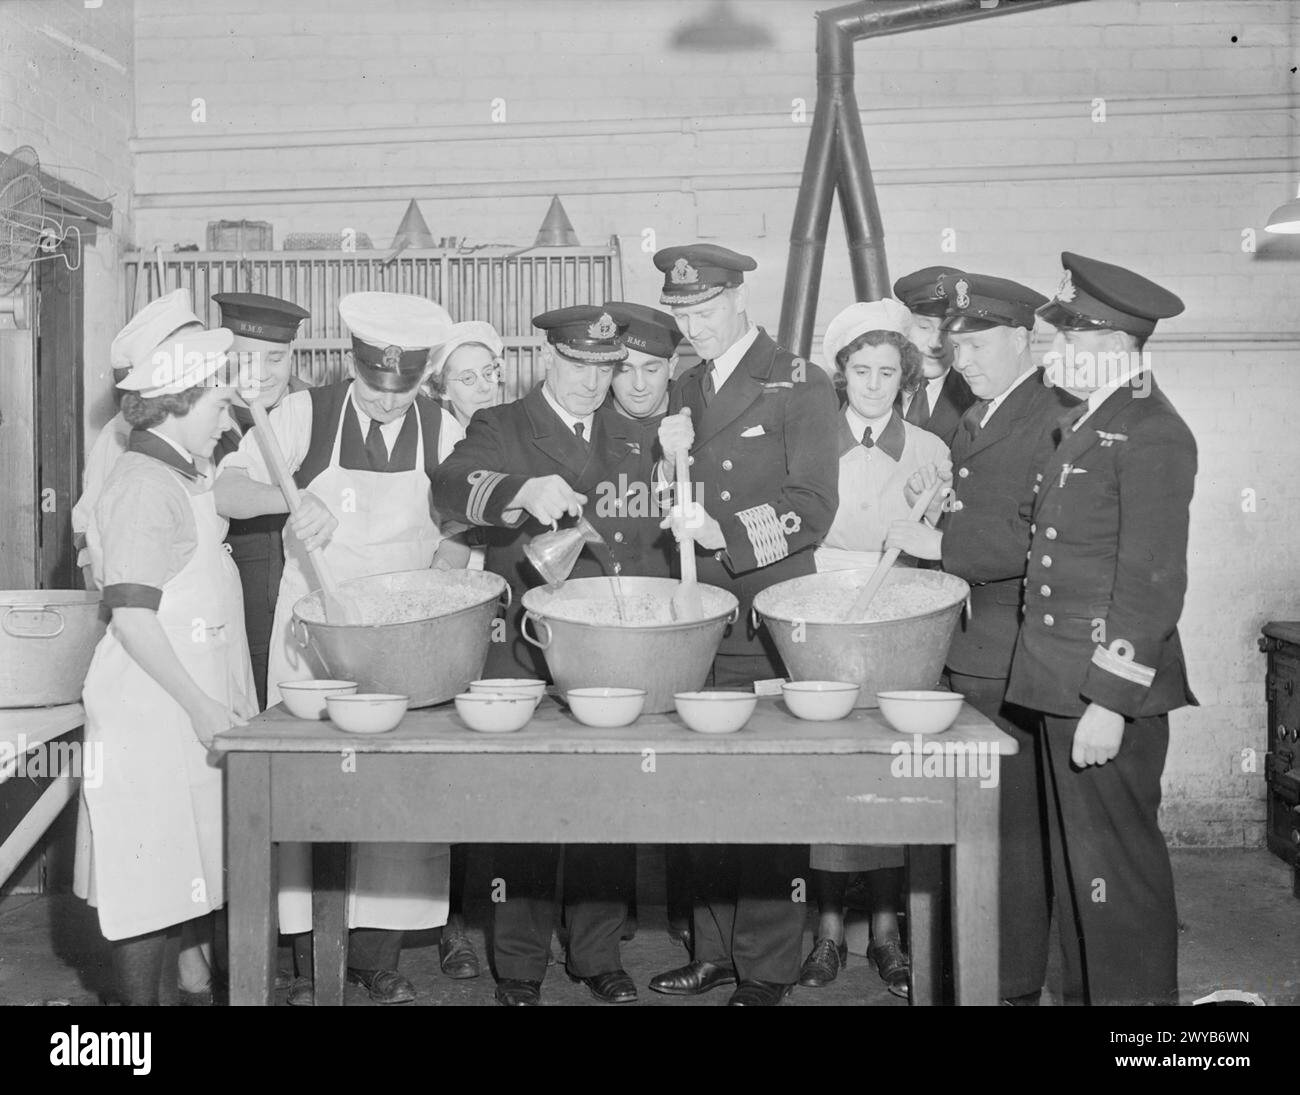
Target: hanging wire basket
28,233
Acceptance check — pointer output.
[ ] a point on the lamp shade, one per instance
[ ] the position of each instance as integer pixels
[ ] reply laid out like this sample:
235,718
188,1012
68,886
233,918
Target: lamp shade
1285,219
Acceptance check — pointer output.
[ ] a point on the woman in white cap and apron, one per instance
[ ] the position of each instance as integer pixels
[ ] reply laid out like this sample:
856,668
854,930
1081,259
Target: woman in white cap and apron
171,671
361,452
867,345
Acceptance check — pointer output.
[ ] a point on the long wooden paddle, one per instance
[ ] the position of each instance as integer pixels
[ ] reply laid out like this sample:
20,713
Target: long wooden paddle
339,609
858,609
687,603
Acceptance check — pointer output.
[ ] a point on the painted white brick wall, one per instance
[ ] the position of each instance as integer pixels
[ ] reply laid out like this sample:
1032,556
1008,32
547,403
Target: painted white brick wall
985,128
66,89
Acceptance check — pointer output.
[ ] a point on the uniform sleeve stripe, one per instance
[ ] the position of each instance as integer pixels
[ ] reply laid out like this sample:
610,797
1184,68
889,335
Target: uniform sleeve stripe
482,484
1133,671
766,536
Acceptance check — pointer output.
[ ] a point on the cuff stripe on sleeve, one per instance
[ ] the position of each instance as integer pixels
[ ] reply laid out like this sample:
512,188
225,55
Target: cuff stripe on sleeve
766,536
1125,668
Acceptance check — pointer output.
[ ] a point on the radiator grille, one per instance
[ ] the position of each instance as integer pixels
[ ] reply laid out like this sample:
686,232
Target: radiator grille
503,286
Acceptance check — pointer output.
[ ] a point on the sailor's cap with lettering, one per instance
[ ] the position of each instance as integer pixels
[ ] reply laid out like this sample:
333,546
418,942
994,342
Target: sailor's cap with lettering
392,334
918,290
1095,295
584,333
647,330
696,272
977,302
256,315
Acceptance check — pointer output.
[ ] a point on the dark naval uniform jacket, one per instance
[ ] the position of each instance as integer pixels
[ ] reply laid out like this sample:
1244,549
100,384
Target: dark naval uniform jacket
986,529
766,468
628,507
506,446
945,416
1108,563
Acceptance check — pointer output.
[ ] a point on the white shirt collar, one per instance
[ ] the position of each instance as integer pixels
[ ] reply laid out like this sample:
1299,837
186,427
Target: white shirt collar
994,404
933,389
568,419
1099,396
858,424
725,363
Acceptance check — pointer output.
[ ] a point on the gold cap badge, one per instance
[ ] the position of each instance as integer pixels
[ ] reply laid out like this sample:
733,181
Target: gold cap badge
963,293
1066,292
605,327
683,273
392,357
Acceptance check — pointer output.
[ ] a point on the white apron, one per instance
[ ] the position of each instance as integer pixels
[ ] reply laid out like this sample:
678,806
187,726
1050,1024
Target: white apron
155,847
829,558
384,526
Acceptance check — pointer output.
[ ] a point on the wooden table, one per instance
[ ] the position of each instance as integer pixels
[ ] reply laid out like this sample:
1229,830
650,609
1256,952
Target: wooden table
780,780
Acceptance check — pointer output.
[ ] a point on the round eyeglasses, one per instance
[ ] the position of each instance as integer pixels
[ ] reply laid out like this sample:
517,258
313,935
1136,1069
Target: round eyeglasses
492,374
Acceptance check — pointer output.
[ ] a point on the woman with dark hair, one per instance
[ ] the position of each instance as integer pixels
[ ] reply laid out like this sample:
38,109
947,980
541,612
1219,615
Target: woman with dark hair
874,361
173,668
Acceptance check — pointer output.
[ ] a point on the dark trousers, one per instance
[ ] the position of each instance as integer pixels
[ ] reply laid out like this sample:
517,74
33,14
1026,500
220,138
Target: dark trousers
260,559
1110,868
598,879
1024,865
745,914
369,949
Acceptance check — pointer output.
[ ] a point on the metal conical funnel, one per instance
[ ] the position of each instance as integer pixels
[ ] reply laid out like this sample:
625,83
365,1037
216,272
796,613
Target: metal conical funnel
413,231
556,230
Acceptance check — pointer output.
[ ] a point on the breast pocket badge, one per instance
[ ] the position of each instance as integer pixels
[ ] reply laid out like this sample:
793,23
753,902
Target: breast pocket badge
753,431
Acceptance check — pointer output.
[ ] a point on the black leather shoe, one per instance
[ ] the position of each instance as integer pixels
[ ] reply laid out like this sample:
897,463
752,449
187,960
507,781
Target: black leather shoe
384,986
456,956
751,994
692,979
893,965
302,993
614,987
519,994
823,964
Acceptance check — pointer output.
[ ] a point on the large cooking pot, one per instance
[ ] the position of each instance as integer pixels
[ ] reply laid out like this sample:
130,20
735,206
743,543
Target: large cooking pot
662,658
47,638
430,659
880,656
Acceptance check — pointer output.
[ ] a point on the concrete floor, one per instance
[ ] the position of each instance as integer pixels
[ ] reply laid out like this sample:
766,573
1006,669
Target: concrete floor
1240,925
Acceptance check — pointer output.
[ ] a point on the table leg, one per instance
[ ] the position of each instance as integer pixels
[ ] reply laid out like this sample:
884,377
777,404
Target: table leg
925,921
329,912
251,859
975,894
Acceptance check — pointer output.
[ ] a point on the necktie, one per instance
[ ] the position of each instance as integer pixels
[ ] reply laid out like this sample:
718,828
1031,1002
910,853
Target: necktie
866,438
973,419
709,389
376,450
579,429
918,411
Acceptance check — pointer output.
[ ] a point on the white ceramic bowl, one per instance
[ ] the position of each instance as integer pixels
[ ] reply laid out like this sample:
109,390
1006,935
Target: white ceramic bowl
919,712
495,712
606,708
306,699
367,712
528,686
715,712
820,701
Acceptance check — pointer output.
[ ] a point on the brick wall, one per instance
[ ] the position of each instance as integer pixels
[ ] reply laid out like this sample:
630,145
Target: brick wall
66,89
323,116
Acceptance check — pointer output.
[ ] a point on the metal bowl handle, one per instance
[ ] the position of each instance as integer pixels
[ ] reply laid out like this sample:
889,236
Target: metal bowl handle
31,630
508,594
753,616
537,622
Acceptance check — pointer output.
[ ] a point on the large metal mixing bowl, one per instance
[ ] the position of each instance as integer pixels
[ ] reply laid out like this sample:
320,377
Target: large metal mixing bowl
881,656
431,660
661,658
47,640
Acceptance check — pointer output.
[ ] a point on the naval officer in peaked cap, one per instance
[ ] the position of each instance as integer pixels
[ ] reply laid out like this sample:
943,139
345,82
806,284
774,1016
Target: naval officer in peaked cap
1098,654
938,404
762,438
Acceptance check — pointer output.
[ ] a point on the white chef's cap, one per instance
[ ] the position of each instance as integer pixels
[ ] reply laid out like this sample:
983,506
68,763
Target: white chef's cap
465,334
150,325
858,319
